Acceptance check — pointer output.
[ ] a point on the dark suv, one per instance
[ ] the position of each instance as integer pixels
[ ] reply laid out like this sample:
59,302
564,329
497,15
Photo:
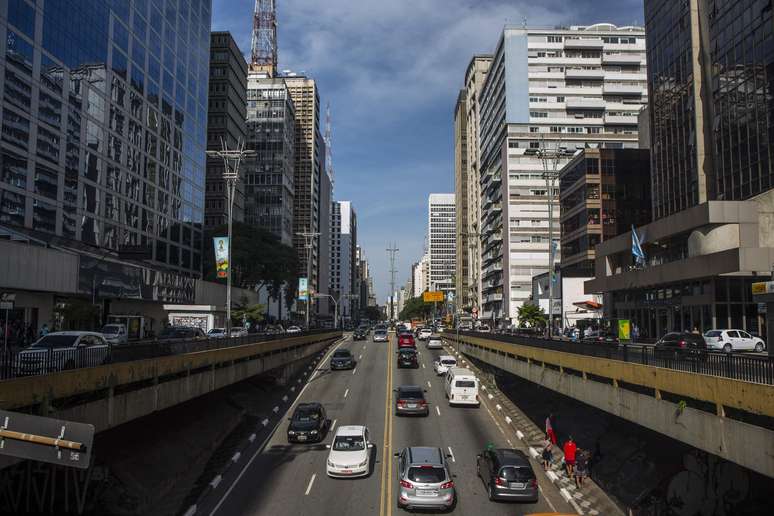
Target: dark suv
507,475
359,334
308,423
410,399
681,345
407,357
342,359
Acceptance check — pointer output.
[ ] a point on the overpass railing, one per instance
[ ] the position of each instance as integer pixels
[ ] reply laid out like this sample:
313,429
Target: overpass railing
20,363
736,366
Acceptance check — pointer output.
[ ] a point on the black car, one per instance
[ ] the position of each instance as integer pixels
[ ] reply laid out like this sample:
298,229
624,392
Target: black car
407,357
181,332
681,345
507,475
410,399
308,423
359,334
601,337
342,359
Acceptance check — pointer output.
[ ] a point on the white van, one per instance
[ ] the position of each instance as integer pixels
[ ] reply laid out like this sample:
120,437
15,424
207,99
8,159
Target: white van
461,387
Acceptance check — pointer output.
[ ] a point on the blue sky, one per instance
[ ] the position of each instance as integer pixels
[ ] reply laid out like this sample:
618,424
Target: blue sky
391,70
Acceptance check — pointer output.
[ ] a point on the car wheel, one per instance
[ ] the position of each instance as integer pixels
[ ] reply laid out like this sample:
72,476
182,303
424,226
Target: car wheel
759,347
491,493
727,348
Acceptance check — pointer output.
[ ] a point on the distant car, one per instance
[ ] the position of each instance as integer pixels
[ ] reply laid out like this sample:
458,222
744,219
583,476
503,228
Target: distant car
217,333
443,364
181,332
425,479
238,331
600,337
350,452
380,336
115,333
424,333
733,340
434,342
507,475
364,328
681,344
359,335
293,329
410,400
407,357
308,423
483,329
342,359
62,350
406,340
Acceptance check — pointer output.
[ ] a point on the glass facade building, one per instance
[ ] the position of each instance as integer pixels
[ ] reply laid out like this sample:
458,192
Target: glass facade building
104,119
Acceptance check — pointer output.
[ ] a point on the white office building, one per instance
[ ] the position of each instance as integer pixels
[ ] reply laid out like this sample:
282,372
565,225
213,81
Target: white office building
441,236
558,90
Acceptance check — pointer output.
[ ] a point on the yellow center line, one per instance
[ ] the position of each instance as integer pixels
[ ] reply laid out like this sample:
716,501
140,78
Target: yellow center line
386,484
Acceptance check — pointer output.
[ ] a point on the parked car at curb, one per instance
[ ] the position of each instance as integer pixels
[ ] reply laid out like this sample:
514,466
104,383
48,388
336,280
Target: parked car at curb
681,345
507,475
239,331
293,329
425,479
60,351
181,332
733,340
115,334
308,423
217,333
350,453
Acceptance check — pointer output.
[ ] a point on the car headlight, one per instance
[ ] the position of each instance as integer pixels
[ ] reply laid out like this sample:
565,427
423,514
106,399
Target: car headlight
362,463
330,464
291,432
313,432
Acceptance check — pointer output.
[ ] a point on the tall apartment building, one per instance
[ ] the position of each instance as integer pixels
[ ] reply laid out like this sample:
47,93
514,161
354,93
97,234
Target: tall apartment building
102,149
269,174
324,306
712,176
441,233
461,187
343,254
555,89
307,170
225,125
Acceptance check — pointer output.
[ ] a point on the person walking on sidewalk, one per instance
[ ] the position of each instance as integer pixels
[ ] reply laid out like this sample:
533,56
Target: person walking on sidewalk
581,467
547,455
570,449
550,428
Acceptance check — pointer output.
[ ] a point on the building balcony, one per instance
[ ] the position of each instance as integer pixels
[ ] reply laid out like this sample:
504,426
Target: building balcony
584,43
580,73
623,89
584,103
623,59
621,120
492,298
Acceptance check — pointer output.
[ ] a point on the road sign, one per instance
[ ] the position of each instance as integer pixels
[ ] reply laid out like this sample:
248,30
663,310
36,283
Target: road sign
6,301
45,439
432,297
763,287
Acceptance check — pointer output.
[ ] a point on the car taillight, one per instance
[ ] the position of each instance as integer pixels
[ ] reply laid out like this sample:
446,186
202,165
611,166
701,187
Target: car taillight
447,485
401,402
500,481
533,482
682,343
423,403
406,484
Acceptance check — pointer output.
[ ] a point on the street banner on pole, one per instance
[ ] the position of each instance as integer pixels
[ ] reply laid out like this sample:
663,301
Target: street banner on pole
432,297
221,256
303,289
624,330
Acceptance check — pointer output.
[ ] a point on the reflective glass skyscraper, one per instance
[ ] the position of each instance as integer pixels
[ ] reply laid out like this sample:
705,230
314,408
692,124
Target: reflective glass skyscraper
104,118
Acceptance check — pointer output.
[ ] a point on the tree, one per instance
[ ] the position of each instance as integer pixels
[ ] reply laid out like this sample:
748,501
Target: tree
532,316
259,259
372,313
415,308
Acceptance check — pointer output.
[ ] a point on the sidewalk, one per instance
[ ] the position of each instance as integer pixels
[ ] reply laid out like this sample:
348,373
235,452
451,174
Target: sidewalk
591,500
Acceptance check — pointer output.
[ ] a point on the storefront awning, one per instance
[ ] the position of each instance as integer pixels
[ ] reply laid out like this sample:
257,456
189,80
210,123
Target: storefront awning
588,305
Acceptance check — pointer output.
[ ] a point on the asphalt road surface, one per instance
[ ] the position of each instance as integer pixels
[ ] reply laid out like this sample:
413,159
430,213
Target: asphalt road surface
290,479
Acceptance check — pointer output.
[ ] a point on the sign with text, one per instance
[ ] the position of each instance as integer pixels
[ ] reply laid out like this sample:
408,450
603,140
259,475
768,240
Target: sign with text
432,297
763,287
221,256
6,301
303,289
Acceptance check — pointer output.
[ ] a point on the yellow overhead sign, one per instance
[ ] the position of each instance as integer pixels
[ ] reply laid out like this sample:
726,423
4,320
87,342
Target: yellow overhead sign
432,297
763,287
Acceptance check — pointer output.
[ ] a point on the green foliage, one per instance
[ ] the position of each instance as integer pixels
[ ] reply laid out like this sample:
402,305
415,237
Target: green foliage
372,313
253,313
259,260
415,308
532,316
76,314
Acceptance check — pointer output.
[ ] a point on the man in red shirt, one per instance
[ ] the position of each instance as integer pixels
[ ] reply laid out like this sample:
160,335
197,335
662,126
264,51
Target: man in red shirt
569,455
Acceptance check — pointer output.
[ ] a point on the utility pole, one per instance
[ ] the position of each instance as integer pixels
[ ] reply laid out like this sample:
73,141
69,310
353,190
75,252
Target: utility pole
231,161
551,159
392,251
309,244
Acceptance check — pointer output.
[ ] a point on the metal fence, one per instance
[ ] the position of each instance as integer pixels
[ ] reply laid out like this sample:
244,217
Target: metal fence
26,362
748,368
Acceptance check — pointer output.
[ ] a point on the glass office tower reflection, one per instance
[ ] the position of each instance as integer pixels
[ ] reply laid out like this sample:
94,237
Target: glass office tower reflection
104,117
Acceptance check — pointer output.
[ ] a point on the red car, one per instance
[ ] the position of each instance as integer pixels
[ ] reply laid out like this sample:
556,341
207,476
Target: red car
406,340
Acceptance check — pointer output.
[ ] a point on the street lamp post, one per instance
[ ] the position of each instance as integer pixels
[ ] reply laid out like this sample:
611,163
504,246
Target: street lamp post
231,161
308,241
335,307
550,161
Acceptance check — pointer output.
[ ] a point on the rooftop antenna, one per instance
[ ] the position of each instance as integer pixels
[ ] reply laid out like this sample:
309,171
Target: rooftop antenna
524,22
328,143
263,46
392,251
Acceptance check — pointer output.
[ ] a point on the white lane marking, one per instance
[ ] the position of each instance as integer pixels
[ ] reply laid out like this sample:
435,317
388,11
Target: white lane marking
252,437
265,422
275,409
438,410
508,420
509,443
552,476
547,499
191,511
346,393
236,456
423,366
216,481
428,385
360,357
533,452
499,407
333,425
483,387
311,482
354,371
285,398
293,389
452,454
268,438
490,396
519,434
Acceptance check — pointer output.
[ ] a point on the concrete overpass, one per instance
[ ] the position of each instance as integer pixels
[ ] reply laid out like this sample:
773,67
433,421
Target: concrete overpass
727,417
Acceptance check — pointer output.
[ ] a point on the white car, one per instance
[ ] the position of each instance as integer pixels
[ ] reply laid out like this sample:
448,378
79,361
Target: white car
424,333
443,364
293,329
483,329
733,340
238,331
434,342
62,350
115,333
217,333
350,453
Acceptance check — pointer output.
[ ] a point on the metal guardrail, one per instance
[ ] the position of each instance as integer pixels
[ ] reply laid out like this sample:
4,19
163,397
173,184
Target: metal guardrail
735,366
14,364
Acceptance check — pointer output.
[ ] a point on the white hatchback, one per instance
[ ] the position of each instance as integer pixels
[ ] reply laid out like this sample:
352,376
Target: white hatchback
443,364
733,340
350,453
434,342
424,333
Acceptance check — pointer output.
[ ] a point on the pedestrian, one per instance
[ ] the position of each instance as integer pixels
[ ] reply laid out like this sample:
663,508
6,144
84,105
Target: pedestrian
570,448
44,330
635,333
581,467
696,331
550,429
547,455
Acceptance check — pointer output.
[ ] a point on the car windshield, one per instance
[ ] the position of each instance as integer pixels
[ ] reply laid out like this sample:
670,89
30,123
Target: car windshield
517,473
448,361
465,383
342,354
349,443
56,341
110,329
217,330
307,416
426,474
713,333
410,394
